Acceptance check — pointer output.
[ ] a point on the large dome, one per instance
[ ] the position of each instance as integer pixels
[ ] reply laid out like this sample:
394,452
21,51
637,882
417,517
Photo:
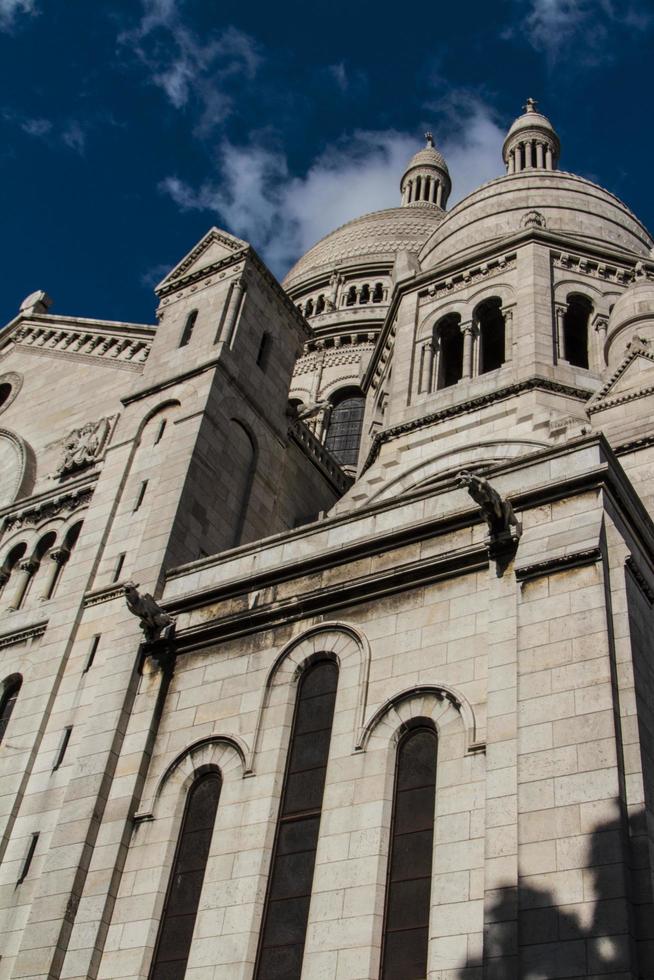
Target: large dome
560,202
377,236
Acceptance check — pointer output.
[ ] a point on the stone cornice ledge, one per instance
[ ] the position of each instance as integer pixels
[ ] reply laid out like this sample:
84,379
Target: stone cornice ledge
326,598
23,635
106,594
557,563
642,582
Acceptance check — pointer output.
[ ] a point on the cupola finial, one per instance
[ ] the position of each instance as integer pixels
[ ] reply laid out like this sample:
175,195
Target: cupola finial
430,138
530,105
426,179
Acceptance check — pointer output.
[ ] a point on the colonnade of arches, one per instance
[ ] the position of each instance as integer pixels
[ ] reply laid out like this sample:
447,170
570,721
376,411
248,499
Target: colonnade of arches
31,569
356,294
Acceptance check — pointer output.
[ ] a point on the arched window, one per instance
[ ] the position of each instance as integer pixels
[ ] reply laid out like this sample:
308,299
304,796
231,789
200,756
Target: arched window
187,332
406,917
16,555
8,701
286,909
351,296
448,342
490,321
185,886
575,330
378,293
308,308
5,392
320,304
58,559
345,424
364,295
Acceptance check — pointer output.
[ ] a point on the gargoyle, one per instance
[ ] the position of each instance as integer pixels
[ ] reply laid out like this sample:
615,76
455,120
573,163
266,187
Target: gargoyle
154,621
497,512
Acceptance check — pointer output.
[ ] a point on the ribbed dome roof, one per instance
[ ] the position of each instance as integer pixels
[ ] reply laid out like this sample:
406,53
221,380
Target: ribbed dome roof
429,156
378,235
530,120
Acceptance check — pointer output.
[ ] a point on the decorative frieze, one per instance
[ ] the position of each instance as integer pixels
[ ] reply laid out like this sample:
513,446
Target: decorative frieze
26,635
126,351
43,510
467,277
595,269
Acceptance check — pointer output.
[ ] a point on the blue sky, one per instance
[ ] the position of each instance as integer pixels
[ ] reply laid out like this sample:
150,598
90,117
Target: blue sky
130,127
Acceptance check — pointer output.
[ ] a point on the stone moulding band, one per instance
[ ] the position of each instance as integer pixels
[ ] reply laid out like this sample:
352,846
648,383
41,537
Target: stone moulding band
640,579
107,594
23,635
560,563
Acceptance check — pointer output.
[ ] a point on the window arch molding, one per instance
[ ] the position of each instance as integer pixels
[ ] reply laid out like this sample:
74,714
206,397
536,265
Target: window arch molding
444,706
345,644
9,691
223,753
14,382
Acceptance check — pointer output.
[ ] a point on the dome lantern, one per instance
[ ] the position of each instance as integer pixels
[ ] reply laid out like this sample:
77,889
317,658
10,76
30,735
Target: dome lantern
426,179
531,143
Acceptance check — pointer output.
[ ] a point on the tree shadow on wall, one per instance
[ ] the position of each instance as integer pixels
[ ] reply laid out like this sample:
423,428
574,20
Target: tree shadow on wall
591,917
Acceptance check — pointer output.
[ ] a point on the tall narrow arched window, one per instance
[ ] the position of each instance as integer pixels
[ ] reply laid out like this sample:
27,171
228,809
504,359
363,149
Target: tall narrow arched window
378,293
286,910
575,330
8,701
490,321
448,342
185,886
345,424
187,332
320,304
351,297
364,295
406,916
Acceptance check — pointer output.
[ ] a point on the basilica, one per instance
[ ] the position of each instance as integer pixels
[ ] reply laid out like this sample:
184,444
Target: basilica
326,610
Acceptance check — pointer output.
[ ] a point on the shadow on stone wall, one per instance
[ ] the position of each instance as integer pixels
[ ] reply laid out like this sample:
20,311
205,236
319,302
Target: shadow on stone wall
591,917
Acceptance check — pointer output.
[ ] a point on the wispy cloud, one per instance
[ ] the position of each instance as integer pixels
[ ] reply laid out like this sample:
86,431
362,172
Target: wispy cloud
68,133
553,26
190,70
283,215
10,10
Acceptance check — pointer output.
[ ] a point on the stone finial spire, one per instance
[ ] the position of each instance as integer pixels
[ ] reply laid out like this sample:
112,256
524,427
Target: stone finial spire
531,143
426,179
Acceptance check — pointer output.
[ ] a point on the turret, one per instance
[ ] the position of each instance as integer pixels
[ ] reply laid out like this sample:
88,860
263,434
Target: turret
426,180
531,143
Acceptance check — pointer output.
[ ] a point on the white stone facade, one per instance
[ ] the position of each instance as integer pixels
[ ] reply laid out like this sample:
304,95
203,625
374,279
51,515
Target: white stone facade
209,460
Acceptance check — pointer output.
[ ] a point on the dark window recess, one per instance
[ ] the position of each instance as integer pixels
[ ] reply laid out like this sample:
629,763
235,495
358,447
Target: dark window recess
406,917
308,309
8,703
28,858
120,561
62,748
263,353
160,432
320,304
491,335
92,652
286,909
5,392
344,432
450,345
575,330
140,495
378,293
364,295
183,897
187,332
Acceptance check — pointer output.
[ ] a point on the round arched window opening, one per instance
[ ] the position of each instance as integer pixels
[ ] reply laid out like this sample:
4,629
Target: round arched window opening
345,424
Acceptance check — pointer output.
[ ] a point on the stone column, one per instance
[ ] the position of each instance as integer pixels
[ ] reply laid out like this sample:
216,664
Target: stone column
439,194
434,190
528,155
539,155
559,312
26,570
511,163
508,333
601,325
466,330
233,307
549,159
59,557
4,578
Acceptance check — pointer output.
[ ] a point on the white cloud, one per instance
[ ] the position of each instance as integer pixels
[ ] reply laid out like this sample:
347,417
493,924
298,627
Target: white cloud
283,215
67,132
552,26
191,70
10,9
36,127
74,137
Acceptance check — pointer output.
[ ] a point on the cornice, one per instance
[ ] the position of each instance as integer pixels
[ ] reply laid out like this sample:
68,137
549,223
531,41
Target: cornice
641,580
560,563
23,635
31,510
105,594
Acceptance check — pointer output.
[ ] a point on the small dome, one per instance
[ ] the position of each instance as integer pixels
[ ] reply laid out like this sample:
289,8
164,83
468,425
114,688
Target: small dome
531,143
633,313
426,178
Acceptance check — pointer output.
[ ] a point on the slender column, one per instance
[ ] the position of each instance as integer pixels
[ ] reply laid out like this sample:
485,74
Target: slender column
511,163
528,155
601,325
560,336
233,307
434,190
439,194
539,155
4,578
59,557
25,571
508,334
466,330
518,158
426,354
549,159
